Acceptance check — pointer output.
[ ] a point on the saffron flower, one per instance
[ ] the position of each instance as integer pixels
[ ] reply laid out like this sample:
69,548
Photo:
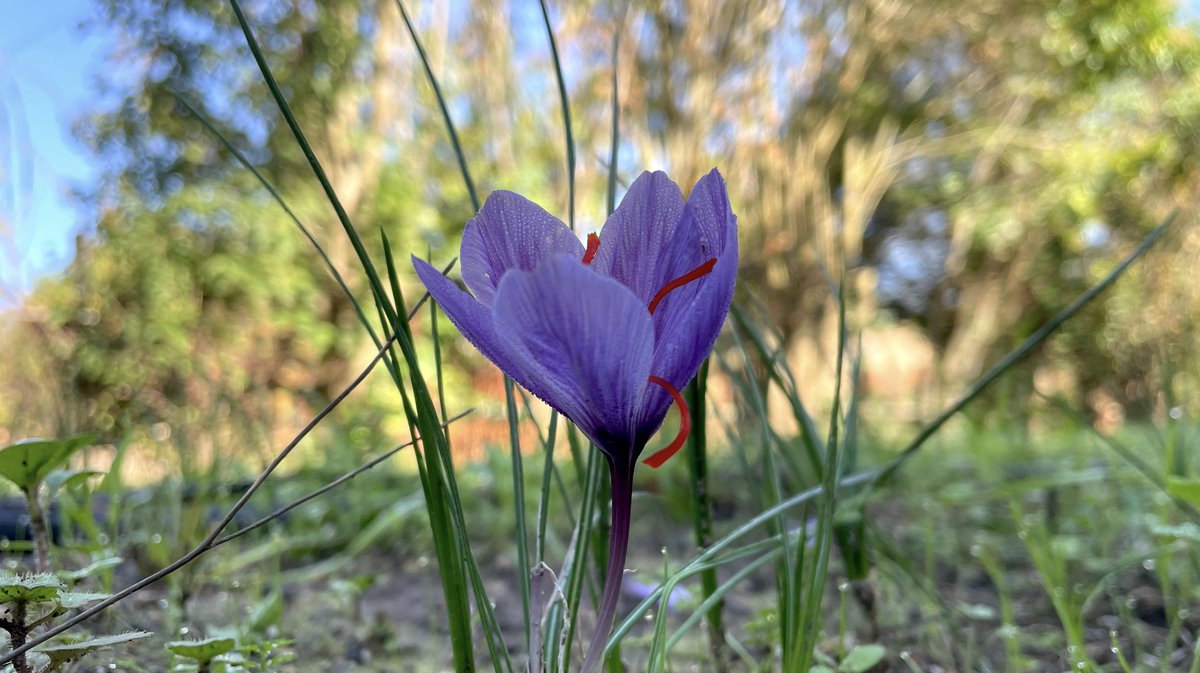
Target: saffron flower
606,334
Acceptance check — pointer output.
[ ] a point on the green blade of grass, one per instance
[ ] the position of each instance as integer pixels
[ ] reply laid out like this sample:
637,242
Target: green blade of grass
850,524
437,480
715,550
565,101
702,511
443,494
276,514
1027,346
440,500
544,491
524,567
809,625
1125,453
775,365
437,91
364,258
715,599
548,443
304,230
661,644
574,568
522,542
786,600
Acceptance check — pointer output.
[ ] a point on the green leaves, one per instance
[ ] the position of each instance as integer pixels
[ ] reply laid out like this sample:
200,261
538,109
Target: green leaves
65,652
37,588
47,594
29,463
861,659
203,651
41,589
1184,488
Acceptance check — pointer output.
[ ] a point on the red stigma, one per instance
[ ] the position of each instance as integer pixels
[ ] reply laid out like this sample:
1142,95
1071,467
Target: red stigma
593,245
698,272
685,419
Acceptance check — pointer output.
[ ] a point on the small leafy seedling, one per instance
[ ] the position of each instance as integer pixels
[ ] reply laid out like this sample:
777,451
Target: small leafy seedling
203,652
267,656
32,601
29,464
861,659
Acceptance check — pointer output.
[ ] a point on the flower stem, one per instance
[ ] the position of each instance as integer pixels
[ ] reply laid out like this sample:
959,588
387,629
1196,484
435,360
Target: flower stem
618,545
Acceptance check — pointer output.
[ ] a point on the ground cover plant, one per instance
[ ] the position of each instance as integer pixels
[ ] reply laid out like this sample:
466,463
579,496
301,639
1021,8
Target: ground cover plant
244,335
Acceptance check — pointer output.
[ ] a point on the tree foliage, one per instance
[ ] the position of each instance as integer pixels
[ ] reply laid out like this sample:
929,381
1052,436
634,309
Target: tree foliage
1047,137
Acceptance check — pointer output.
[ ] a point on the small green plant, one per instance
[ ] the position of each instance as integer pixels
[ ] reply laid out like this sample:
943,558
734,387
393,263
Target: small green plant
33,464
267,656
226,656
34,601
203,654
861,659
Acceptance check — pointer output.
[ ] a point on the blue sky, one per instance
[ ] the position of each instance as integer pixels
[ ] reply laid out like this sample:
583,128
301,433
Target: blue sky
46,64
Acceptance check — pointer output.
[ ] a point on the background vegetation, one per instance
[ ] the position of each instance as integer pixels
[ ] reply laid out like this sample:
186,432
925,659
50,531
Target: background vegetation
969,168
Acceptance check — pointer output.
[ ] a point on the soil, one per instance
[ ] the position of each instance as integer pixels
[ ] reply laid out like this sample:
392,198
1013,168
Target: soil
398,624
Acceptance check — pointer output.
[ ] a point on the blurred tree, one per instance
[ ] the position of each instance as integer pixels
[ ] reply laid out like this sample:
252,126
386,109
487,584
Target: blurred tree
818,113
208,294
1030,143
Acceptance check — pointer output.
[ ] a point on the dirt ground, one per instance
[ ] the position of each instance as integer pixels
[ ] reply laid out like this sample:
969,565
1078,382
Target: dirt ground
398,624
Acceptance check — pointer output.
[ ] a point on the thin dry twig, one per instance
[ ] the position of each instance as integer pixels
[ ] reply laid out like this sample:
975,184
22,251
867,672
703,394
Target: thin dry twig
328,487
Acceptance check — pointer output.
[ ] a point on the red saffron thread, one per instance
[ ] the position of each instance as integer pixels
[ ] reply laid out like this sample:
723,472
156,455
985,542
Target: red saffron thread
685,426
593,244
698,272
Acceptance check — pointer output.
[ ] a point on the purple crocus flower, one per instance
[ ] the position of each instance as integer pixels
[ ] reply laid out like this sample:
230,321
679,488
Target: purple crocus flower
607,334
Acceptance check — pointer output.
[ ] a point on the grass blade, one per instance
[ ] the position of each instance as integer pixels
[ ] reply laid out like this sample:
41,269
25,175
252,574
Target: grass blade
327,487
809,625
442,472
524,567
441,499
775,365
614,150
574,568
566,114
1026,347
702,513
539,549
364,259
304,230
437,91
713,555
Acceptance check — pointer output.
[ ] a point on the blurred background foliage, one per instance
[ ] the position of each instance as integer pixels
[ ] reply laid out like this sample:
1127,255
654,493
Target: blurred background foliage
970,166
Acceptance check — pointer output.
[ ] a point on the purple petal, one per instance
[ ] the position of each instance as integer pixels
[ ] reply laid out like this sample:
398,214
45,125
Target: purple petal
588,337
510,232
471,318
637,232
688,319
476,323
